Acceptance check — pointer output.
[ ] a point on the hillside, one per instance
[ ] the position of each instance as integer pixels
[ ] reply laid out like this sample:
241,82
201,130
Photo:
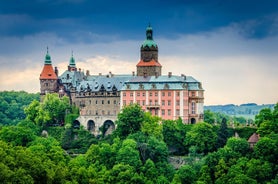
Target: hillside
248,110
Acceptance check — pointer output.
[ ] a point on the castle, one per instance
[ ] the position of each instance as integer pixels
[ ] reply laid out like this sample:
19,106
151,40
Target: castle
101,97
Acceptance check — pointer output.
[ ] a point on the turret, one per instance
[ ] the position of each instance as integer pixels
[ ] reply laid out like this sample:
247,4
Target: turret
72,65
148,64
48,77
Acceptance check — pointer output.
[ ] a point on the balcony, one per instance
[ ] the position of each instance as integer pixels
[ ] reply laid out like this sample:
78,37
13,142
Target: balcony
153,106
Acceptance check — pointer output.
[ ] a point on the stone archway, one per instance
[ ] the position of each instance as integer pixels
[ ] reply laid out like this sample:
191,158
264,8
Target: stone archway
76,124
192,120
108,127
91,126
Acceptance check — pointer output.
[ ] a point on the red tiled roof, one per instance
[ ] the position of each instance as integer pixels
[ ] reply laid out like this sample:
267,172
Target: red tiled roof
254,138
48,73
148,63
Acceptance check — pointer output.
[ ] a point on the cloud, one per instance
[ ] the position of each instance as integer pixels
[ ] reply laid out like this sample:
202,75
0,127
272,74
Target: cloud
232,68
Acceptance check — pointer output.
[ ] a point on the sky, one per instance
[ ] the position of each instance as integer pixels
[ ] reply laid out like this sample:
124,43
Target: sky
231,46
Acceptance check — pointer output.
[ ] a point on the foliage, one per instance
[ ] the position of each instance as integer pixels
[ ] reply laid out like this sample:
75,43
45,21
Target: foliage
174,135
12,106
129,121
203,137
51,111
151,126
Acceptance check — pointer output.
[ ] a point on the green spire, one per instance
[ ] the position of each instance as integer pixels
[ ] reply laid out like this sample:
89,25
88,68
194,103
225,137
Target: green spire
149,37
72,60
47,60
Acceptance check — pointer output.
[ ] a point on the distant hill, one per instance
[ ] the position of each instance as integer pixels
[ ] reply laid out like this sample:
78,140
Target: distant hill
248,110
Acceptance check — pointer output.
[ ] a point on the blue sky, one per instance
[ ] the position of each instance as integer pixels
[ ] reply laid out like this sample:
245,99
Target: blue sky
229,45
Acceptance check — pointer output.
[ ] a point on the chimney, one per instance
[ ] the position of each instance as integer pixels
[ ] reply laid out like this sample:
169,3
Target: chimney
79,69
68,67
99,74
110,74
56,71
87,72
169,74
133,73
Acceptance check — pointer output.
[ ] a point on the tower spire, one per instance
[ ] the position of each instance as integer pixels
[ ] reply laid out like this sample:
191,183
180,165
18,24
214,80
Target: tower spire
47,60
72,65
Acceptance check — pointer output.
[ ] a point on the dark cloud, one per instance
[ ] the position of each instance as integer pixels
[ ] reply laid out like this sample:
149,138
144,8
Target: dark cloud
127,19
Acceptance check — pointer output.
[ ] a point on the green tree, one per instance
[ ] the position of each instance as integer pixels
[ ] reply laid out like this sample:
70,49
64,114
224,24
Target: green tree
222,134
264,115
266,149
151,126
128,154
50,112
203,136
238,145
185,175
129,121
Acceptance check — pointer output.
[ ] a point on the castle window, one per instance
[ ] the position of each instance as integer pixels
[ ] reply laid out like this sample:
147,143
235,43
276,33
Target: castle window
163,112
138,93
156,94
67,76
151,94
124,94
177,102
163,102
169,102
124,102
102,101
96,112
130,102
193,107
103,112
108,102
45,84
131,94
163,93
169,112
169,93
156,112
143,94
115,102
143,102
177,112
178,93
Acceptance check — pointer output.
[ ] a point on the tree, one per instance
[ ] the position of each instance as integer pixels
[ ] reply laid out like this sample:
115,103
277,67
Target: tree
129,120
51,111
264,115
185,175
128,154
203,137
238,145
267,149
222,134
151,126
209,117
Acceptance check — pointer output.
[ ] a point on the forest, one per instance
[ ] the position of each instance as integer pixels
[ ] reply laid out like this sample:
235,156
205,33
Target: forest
39,144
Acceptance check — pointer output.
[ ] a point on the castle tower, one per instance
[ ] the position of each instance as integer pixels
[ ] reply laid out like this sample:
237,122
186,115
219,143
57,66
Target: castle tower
48,77
72,65
148,64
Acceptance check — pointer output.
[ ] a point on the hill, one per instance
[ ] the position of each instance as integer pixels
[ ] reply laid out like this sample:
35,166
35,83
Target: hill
248,110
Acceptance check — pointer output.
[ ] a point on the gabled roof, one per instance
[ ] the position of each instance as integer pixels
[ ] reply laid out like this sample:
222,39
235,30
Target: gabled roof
149,63
48,72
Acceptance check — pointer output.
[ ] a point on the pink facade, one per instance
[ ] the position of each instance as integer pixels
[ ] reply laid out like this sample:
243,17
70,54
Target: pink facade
167,104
